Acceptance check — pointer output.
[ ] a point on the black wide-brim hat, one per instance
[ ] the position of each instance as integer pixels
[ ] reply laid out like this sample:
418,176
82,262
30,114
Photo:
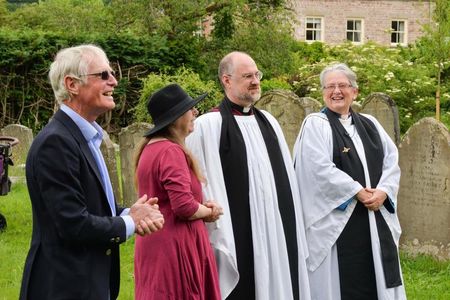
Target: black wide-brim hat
166,105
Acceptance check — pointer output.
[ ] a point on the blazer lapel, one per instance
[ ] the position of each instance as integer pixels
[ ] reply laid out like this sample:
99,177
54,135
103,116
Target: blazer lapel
78,136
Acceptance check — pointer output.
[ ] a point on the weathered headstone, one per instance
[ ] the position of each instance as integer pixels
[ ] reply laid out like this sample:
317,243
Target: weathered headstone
19,151
109,154
424,196
289,110
129,138
382,107
356,106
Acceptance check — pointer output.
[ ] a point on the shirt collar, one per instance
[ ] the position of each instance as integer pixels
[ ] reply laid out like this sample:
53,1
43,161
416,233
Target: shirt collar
91,131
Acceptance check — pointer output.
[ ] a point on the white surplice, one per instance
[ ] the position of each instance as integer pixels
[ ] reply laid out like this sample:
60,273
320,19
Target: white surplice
324,187
272,275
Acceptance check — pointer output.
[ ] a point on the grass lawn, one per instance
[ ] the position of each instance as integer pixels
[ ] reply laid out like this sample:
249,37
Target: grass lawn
425,278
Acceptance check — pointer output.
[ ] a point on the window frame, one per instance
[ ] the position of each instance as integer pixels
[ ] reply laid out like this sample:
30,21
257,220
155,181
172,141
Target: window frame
398,32
314,30
353,31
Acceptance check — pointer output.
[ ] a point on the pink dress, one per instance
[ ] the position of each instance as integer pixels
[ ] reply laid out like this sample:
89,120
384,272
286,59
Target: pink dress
176,262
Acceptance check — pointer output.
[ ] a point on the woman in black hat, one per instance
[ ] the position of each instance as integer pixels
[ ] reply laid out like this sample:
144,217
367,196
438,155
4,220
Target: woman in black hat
177,262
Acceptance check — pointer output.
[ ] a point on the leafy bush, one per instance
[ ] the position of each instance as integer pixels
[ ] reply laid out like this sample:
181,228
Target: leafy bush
188,80
309,52
133,36
379,69
275,83
26,96
143,37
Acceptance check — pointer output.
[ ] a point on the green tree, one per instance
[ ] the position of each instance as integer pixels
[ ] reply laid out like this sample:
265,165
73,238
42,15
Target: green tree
266,33
64,16
435,46
261,28
3,11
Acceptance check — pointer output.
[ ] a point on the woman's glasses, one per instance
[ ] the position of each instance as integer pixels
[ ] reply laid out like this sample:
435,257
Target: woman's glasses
340,86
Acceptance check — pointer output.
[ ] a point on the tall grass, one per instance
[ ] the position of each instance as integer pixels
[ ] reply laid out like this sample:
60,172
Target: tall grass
424,277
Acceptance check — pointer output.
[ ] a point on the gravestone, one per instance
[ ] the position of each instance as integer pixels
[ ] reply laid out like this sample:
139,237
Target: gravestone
129,138
384,109
356,106
108,149
424,195
289,110
19,151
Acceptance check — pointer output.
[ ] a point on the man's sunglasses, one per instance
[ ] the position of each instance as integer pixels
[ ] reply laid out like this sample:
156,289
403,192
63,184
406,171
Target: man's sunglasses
104,75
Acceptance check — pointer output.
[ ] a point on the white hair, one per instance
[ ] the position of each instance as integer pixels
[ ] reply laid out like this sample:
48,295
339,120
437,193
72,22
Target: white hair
73,61
339,67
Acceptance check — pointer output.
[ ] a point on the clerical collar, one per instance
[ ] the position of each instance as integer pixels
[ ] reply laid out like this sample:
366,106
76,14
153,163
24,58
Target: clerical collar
346,118
236,109
346,121
245,111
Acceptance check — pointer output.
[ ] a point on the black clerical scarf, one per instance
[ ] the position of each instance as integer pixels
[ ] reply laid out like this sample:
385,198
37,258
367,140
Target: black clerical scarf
355,238
235,172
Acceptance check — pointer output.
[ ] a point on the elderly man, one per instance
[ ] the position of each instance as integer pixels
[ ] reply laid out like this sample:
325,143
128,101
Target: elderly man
77,225
259,242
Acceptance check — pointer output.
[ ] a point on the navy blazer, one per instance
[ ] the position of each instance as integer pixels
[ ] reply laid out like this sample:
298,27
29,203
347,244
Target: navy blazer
74,251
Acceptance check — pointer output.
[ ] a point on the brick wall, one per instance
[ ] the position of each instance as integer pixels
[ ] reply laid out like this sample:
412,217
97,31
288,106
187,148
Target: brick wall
376,15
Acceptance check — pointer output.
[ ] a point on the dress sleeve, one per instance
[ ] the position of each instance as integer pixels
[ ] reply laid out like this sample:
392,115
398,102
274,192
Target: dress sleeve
176,180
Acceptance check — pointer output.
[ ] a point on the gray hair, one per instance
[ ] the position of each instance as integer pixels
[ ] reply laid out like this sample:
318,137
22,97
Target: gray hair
73,61
339,67
226,65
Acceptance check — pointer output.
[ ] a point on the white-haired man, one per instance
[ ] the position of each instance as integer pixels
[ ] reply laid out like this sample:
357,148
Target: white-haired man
77,225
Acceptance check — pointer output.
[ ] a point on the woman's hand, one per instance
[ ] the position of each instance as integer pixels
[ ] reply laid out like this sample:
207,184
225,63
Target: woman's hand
363,195
216,211
376,200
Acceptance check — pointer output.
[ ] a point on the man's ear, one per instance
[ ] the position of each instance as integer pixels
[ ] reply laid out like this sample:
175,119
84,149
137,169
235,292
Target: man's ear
71,84
225,80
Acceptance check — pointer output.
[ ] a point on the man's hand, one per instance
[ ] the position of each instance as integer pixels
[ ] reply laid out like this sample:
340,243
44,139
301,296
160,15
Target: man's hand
146,215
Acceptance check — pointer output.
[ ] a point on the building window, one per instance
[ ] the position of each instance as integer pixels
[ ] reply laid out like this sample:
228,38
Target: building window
354,31
313,29
398,32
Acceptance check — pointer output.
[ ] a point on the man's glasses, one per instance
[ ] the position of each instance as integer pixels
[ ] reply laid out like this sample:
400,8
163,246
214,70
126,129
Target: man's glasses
249,76
340,86
104,75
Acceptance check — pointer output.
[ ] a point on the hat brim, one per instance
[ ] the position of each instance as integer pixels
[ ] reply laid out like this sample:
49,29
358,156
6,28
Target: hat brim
161,125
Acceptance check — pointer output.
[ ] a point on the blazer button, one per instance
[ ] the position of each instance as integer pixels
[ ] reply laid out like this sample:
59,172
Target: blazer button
108,252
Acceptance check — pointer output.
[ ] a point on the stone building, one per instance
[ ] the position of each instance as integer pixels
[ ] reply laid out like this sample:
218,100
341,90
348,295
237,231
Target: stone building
386,22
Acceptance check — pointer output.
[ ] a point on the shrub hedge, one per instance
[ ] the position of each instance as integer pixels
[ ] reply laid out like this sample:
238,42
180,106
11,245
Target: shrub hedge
25,93
146,63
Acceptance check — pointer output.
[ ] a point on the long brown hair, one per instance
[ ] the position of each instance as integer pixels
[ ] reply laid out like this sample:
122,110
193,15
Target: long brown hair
170,135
